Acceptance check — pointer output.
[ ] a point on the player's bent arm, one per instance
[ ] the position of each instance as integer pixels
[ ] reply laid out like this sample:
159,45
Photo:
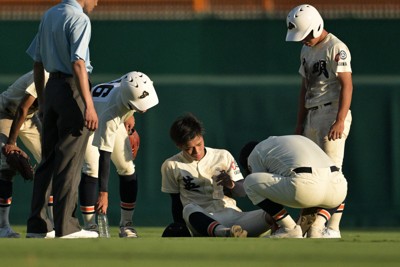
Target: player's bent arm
177,208
301,110
346,94
104,174
20,116
82,82
238,189
39,80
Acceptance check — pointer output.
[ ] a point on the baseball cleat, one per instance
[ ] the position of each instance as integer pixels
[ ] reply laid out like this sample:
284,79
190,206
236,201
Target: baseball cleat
51,234
315,232
81,234
330,233
127,231
287,233
8,232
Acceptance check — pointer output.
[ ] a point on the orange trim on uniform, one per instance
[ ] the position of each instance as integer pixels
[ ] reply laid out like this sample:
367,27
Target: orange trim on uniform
280,215
211,228
340,208
325,214
87,209
127,206
5,202
51,199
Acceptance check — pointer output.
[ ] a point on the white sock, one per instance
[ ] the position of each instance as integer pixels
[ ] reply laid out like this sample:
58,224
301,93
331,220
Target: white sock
287,222
126,217
4,216
319,222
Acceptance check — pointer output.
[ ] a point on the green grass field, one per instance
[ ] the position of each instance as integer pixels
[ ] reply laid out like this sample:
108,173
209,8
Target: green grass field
356,248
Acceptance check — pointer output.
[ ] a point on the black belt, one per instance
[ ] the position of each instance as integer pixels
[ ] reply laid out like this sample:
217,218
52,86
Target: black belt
316,107
59,75
309,169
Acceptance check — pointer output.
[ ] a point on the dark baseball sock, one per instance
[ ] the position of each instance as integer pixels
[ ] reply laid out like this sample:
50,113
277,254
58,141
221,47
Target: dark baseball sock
203,224
128,188
270,207
6,188
88,190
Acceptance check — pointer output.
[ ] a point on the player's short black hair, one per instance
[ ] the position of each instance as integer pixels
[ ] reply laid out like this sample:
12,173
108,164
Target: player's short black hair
245,153
186,128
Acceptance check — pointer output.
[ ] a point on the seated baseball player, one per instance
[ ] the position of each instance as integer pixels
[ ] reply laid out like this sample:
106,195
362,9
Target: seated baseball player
18,119
292,171
200,201
115,104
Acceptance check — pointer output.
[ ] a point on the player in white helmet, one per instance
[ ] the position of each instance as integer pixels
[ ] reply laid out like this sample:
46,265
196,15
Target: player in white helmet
18,118
292,171
115,104
324,113
206,209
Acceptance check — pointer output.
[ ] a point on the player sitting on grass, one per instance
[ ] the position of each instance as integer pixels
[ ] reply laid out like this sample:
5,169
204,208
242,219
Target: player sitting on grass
115,103
196,201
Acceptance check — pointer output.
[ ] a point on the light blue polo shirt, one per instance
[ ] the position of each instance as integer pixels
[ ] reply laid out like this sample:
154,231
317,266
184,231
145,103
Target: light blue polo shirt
63,37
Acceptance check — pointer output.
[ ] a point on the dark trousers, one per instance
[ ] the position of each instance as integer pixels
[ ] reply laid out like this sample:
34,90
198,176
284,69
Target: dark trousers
64,140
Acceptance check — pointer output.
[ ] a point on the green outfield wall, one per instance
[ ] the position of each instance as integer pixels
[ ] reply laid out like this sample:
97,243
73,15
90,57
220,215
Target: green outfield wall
240,78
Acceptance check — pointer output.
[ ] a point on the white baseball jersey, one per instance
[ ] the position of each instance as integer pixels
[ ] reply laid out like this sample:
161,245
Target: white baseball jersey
111,135
273,163
320,65
11,98
192,179
282,154
29,132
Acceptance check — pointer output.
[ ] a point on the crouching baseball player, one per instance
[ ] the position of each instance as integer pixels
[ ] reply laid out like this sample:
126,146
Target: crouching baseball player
292,171
18,118
115,103
200,201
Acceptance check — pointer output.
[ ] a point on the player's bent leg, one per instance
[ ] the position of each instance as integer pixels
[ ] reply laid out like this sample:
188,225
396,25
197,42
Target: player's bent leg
6,185
201,223
88,198
128,189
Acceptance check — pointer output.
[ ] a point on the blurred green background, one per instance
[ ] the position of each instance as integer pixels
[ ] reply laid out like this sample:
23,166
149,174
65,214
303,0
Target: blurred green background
240,78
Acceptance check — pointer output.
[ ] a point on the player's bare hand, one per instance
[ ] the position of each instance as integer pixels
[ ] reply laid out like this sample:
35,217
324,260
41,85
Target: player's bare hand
336,131
9,149
102,203
225,180
91,120
130,124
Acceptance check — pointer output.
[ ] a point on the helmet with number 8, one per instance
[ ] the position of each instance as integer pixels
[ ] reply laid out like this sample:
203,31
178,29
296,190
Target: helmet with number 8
137,91
301,21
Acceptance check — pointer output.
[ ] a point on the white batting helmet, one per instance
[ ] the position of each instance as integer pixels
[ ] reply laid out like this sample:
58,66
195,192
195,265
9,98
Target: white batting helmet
301,21
137,91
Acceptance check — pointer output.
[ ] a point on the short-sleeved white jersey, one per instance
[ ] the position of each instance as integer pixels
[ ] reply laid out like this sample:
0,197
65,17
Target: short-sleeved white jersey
111,114
320,65
281,154
11,98
193,179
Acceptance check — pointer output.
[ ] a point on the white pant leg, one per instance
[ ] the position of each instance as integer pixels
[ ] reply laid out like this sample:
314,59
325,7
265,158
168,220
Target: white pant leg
91,162
122,153
30,136
254,222
317,126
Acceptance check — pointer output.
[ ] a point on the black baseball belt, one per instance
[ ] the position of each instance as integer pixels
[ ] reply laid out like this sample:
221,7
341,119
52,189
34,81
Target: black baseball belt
324,105
309,169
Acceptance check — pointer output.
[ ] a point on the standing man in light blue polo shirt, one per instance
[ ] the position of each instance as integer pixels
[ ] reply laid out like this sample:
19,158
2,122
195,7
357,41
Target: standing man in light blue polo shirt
61,47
